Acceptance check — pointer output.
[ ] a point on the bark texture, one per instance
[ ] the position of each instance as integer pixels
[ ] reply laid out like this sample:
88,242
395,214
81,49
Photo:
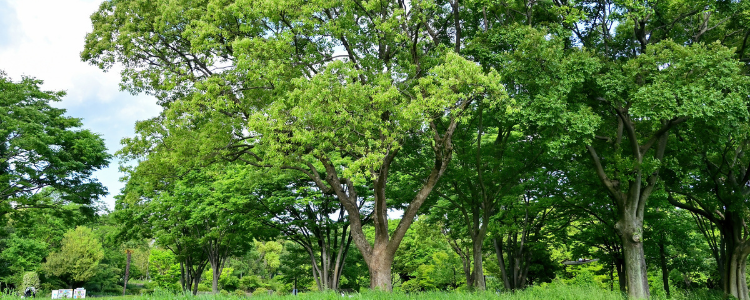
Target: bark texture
128,253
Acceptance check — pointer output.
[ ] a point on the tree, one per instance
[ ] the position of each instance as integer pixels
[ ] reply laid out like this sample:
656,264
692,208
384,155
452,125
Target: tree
671,239
79,257
164,269
29,235
30,279
40,147
397,79
309,218
496,151
211,218
712,181
640,103
425,260
657,75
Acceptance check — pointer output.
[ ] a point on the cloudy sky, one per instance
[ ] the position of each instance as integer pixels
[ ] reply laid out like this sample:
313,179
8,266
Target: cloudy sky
43,39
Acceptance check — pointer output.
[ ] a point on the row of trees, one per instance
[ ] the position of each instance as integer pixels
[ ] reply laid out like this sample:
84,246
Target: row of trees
505,114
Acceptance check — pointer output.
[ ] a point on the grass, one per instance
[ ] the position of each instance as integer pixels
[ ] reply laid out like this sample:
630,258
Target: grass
554,291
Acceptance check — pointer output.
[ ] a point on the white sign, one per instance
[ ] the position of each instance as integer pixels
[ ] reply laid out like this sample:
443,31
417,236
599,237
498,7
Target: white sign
79,293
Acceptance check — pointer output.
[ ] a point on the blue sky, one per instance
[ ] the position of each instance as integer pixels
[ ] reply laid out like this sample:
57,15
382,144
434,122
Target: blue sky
43,39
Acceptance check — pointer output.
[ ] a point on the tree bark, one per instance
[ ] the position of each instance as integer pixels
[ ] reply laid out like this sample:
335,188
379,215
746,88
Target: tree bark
735,284
128,252
216,272
196,281
635,261
737,250
380,270
478,273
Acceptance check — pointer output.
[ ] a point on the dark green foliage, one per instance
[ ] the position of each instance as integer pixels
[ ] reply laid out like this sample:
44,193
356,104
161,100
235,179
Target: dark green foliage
41,147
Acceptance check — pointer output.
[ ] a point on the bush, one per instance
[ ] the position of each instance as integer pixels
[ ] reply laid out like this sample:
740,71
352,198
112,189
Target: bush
204,287
260,292
30,279
239,293
410,286
249,283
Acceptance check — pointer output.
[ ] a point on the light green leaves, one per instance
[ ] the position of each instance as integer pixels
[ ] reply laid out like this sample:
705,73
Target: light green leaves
79,257
671,81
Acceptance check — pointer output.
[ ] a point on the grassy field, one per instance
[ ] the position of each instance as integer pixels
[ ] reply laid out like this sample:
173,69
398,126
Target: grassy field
553,291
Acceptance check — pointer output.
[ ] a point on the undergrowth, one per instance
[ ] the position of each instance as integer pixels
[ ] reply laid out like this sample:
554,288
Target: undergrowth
554,291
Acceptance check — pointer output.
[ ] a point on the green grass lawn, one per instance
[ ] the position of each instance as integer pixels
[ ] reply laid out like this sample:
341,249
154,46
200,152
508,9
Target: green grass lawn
552,291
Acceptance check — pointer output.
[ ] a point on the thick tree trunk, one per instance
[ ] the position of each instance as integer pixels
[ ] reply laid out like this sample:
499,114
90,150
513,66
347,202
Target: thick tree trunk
380,271
664,270
216,272
734,283
127,271
635,261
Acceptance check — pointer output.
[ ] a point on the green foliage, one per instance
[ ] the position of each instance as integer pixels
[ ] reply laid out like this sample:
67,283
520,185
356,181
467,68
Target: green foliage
30,279
529,86
41,147
270,254
250,282
23,254
78,259
260,292
164,269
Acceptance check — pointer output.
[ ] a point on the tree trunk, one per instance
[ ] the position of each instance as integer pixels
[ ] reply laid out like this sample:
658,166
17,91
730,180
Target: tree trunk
216,272
478,273
127,271
196,281
380,271
734,283
619,266
501,262
183,277
466,261
622,280
635,262
664,270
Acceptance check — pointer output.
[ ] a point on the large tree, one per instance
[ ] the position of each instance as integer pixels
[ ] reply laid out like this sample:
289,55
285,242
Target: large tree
712,181
330,90
640,102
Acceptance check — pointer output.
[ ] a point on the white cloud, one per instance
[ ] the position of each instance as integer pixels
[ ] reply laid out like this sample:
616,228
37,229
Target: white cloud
44,39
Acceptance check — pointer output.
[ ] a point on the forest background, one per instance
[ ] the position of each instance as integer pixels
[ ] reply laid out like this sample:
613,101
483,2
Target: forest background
415,146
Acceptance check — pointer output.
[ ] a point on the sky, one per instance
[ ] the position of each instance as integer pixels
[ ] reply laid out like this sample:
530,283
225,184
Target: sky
43,39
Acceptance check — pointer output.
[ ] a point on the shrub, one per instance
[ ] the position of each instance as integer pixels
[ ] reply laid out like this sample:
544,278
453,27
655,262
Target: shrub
260,292
204,287
249,283
410,286
239,293
30,279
